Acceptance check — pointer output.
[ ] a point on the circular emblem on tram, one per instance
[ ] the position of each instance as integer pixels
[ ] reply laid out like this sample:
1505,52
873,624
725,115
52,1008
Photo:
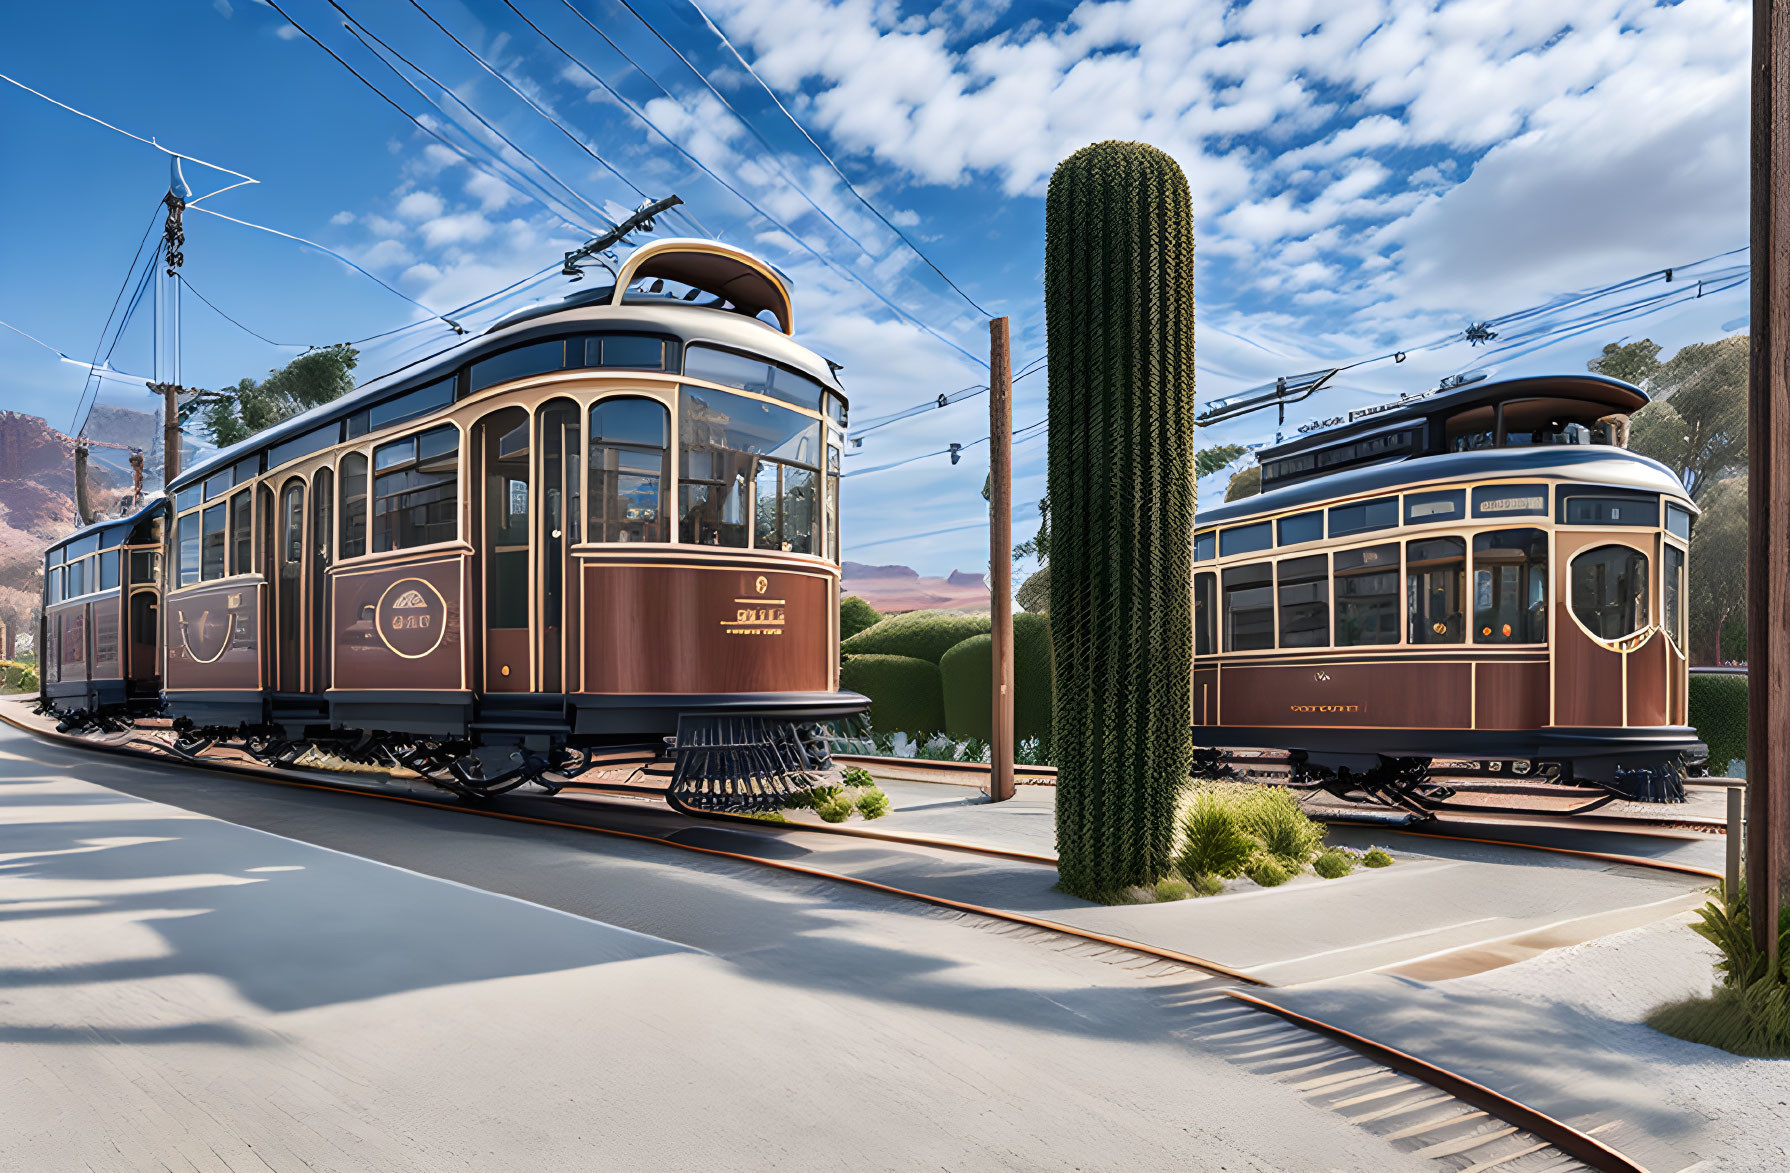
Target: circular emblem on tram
411,617
762,583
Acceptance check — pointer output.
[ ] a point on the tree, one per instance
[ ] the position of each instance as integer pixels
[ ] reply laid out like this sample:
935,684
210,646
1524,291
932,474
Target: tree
1118,304
1697,423
1245,484
1634,362
315,377
1209,460
1039,546
1718,558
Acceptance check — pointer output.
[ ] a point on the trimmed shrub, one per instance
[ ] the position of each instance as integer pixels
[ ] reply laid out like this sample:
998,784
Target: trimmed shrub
1216,843
921,635
1717,707
904,692
1333,865
967,675
856,615
1377,858
1273,816
1268,871
1034,593
873,804
835,810
17,676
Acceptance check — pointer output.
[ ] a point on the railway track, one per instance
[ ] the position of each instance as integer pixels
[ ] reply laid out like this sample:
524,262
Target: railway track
1420,1108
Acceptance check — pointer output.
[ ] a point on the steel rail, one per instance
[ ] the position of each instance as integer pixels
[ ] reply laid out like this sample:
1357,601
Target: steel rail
1558,1133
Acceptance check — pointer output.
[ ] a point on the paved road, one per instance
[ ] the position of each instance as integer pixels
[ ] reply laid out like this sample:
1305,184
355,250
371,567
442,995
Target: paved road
208,973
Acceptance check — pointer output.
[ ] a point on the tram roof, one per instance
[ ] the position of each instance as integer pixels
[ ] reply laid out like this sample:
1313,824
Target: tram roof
1600,390
151,501
593,310
1602,465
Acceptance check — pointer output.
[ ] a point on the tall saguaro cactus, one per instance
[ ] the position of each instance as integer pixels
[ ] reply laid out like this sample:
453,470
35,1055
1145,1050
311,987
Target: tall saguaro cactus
1118,300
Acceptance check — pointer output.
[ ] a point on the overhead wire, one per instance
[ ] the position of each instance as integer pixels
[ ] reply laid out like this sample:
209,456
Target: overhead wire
547,200
129,272
740,195
794,121
182,278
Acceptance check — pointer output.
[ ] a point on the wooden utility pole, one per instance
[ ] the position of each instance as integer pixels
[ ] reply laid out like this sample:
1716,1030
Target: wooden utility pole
170,430
1000,556
1768,483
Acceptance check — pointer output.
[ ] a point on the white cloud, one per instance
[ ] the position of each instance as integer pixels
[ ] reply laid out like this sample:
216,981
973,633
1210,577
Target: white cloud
420,205
287,32
343,217
386,254
458,228
491,192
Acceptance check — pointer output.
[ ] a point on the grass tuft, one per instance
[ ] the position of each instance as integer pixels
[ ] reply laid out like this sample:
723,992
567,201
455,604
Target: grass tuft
1749,1014
1377,858
1268,871
1333,864
873,803
857,776
1214,842
836,809
1207,885
1174,888
1285,831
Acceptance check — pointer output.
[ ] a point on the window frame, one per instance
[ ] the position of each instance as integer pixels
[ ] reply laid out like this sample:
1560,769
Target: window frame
374,472
1646,624
669,480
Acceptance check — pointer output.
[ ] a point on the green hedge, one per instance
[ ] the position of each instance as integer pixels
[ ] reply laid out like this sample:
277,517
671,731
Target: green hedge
856,615
905,692
1718,710
967,672
16,676
921,635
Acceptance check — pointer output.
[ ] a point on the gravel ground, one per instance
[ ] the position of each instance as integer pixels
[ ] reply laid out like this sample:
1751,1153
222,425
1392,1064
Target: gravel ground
1620,979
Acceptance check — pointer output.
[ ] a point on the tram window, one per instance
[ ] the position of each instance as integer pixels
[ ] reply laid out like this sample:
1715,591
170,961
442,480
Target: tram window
242,544
1633,511
143,567
1436,582
1510,587
533,359
188,498
752,374
213,543
1510,500
1678,521
108,570
416,482
217,486
1302,527
246,469
81,547
1205,613
52,586
1305,602
836,409
639,352
1365,587
352,537
411,404
1423,508
315,440
832,503
629,441
1249,608
722,438
783,507
1205,545
1607,588
1246,539
1362,516
186,549
77,578
1672,591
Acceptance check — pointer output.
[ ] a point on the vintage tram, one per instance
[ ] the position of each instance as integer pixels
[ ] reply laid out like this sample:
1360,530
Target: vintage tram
1482,579
605,527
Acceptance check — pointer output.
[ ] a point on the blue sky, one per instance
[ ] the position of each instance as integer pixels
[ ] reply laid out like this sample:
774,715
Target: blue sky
1366,176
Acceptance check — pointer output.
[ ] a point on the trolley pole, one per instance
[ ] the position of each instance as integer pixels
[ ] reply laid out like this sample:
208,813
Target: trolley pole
1768,484
1000,556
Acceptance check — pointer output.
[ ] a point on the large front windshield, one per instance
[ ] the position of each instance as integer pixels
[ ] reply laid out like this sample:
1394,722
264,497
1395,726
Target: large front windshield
749,473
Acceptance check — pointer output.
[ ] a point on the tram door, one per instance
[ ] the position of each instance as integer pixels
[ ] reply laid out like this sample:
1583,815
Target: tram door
289,557
505,509
317,578
558,524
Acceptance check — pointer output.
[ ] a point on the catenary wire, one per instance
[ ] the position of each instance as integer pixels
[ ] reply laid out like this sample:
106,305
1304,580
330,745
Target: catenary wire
794,121
129,272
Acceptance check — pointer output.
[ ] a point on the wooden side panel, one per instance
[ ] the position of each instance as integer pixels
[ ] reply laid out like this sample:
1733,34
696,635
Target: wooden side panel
1587,678
1205,696
213,639
705,629
1414,695
399,627
108,660
1510,695
506,659
1647,667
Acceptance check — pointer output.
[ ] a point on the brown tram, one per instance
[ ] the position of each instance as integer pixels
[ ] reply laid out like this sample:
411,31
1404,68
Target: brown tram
605,527
1481,580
